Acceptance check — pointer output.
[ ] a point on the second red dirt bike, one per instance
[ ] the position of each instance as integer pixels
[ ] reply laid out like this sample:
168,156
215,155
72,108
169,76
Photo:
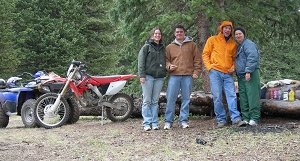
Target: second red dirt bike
52,110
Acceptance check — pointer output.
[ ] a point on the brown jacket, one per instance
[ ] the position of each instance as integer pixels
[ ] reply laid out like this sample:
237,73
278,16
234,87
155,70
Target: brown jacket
185,56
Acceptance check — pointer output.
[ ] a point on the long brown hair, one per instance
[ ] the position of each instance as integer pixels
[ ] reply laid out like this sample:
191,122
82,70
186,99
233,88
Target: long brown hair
151,33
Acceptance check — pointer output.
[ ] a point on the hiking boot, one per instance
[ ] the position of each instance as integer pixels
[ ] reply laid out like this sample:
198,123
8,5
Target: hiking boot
252,123
147,128
184,125
239,123
236,121
220,124
167,126
242,123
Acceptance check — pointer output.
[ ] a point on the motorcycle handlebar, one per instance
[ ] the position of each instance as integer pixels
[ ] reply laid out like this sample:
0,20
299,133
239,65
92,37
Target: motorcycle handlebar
77,63
25,73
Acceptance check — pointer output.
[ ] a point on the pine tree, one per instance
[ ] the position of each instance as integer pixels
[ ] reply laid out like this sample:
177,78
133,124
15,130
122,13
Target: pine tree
8,59
49,34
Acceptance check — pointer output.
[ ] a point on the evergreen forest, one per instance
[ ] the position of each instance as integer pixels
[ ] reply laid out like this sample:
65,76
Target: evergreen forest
108,34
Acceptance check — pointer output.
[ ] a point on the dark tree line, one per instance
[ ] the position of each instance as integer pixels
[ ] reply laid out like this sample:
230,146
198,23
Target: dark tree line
107,35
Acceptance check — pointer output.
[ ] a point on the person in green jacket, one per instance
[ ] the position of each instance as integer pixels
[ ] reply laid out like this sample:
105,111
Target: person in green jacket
151,70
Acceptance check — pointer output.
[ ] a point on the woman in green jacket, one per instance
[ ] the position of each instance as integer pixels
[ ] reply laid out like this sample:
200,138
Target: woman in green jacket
151,70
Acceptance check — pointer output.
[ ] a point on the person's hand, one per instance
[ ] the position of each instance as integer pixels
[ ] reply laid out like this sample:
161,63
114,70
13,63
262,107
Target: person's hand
248,76
195,76
230,71
142,80
172,67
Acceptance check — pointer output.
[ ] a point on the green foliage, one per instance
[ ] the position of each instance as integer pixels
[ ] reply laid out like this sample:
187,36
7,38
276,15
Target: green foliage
8,57
137,18
49,34
273,25
281,62
108,34
101,45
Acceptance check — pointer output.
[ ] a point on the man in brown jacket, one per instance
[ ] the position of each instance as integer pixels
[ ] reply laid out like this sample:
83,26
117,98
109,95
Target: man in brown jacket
183,65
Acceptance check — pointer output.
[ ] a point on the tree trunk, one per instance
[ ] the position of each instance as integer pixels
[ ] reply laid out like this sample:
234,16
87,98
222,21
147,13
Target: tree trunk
203,33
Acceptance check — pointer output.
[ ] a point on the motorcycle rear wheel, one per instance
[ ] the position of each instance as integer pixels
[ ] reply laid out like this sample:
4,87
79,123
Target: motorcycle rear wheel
124,108
27,113
4,119
60,116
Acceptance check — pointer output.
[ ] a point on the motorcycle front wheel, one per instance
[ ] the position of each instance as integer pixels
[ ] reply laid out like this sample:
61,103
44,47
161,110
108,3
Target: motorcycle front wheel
123,110
51,120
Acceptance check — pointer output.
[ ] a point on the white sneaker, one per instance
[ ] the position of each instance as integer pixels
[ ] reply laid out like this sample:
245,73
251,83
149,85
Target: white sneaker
252,123
184,125
147,128
167,126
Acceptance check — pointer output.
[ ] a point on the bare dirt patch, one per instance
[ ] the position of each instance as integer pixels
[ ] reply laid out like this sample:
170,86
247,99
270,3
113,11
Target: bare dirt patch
275,139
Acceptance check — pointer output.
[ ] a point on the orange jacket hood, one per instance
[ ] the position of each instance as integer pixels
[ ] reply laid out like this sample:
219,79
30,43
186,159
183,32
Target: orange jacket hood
225,23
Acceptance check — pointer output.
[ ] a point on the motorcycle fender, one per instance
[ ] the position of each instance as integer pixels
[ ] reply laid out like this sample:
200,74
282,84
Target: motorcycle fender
74,89
115,87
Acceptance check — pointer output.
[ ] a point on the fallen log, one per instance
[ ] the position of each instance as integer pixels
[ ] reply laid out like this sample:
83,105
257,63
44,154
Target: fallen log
279,107
202,104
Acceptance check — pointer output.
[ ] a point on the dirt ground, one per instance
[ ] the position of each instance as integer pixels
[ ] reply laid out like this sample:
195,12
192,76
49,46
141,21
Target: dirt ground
274,139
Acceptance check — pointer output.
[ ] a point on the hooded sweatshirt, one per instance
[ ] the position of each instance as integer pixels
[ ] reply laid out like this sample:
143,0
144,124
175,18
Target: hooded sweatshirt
219,54
185,56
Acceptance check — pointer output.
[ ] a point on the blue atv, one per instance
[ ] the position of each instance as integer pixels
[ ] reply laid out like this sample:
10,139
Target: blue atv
15,98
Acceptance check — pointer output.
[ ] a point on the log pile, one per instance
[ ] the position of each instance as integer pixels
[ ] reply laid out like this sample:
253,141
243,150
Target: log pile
202,104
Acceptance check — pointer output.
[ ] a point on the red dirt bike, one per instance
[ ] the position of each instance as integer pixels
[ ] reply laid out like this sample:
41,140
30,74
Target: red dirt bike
52,110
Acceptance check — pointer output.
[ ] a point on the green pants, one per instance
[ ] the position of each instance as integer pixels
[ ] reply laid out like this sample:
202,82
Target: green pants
249,96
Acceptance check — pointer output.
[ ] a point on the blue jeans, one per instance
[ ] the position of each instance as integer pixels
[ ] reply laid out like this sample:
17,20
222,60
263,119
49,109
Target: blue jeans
176,84
151,91
218,82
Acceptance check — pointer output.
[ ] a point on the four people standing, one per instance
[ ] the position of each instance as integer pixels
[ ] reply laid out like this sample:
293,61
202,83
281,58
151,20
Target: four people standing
151,70
183,65
247,71
181,59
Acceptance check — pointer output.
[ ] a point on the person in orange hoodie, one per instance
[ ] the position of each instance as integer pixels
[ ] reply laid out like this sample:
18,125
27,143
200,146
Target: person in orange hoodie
218,57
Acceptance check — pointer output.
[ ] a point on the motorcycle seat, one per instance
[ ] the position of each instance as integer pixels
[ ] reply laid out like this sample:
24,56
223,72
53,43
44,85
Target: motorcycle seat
112,78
